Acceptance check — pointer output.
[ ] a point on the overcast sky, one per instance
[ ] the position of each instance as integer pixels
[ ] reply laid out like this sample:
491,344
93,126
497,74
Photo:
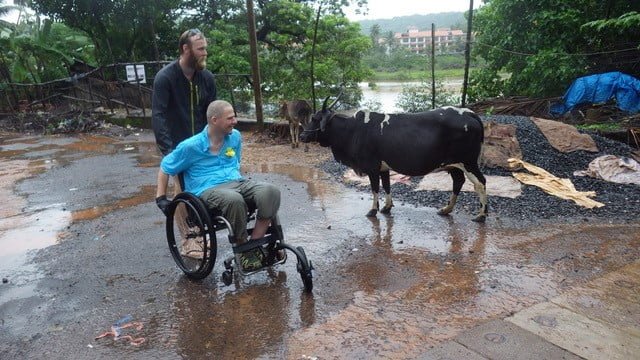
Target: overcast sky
386,9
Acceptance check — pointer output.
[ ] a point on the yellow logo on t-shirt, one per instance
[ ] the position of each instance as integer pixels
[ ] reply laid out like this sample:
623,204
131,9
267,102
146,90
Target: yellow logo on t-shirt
230,152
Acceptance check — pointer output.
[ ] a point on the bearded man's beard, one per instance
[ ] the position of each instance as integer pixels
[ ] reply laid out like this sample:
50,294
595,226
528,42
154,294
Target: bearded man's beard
198,63
201,63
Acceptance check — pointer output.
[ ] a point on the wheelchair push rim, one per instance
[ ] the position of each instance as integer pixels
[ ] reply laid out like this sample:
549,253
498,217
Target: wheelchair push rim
191,236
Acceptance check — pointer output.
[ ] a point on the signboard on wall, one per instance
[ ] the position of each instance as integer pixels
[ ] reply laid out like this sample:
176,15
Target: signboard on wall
131,74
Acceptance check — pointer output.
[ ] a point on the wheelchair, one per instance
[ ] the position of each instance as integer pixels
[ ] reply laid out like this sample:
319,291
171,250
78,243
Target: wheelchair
191,233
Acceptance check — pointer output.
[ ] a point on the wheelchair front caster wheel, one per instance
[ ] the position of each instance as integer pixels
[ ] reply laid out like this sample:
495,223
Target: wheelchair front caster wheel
304,267
227,277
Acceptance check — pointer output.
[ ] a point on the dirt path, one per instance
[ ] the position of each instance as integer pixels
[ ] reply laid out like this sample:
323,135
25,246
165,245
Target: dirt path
389,287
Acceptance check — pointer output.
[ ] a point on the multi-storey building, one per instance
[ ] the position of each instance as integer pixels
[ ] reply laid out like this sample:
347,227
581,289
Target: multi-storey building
419,42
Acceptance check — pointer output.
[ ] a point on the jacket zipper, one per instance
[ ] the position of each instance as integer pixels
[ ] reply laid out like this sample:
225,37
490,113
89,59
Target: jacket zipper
193,125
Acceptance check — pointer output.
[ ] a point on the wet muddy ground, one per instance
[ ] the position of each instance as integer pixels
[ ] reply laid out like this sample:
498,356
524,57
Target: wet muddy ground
82,245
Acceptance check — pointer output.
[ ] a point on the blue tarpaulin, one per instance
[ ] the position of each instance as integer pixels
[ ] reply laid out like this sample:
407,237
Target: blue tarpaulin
600,88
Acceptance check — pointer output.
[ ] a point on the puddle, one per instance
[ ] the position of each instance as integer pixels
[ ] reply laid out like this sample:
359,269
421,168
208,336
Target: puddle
24,228
146,192
38,229
314,178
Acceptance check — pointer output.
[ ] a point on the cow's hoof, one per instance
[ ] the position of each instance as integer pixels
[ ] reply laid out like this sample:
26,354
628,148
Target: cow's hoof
372,213
444,212
385,210
293,146
480,218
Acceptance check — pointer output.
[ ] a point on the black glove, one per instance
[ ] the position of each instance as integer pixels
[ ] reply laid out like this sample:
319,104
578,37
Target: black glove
163,203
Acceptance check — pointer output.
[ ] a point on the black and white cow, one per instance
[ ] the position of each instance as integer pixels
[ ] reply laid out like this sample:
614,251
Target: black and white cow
414,144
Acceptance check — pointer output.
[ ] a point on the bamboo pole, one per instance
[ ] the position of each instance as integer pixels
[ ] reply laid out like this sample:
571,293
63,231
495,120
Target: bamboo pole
467,55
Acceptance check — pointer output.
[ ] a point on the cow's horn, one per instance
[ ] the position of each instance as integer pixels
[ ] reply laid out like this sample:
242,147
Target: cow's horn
324,104
337,98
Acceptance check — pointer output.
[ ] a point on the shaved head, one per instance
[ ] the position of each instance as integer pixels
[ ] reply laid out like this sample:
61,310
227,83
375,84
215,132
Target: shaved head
217,108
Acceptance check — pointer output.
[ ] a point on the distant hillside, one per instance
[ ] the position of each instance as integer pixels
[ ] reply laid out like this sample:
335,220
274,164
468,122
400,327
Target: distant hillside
454,20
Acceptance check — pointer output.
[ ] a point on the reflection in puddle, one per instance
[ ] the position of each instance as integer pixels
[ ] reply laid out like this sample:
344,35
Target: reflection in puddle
39,229
313,177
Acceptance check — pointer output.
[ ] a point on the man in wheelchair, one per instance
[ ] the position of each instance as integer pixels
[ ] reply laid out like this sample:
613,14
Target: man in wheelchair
210,163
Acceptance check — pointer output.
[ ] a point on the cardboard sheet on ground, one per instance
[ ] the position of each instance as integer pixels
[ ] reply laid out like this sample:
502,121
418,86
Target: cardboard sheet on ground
562,188
503,186
564,137
500,144
613,169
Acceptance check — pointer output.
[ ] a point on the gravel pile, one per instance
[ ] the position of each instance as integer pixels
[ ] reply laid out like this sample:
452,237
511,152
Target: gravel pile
622,202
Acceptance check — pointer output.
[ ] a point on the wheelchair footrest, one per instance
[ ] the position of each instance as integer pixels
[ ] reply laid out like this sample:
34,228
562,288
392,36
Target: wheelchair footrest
252,244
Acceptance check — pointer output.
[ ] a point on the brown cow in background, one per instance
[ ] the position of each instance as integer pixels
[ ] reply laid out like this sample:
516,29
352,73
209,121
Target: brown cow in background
296,112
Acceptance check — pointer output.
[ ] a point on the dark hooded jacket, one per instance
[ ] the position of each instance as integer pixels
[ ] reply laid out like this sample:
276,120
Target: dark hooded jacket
179,106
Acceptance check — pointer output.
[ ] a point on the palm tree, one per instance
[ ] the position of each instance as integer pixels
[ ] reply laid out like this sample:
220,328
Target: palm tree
4,11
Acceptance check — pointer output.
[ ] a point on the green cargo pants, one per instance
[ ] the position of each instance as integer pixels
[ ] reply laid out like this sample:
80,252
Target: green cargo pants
234,199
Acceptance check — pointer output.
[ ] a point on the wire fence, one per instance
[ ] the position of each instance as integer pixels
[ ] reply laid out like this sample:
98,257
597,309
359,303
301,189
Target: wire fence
124,88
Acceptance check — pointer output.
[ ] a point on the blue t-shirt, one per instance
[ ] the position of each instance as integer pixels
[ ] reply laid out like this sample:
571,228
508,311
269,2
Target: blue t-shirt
203,169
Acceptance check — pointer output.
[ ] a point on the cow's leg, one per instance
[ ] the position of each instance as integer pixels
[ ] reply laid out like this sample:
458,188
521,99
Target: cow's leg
374,180
293,139
480,186
296,134
306,145
457,176
386,185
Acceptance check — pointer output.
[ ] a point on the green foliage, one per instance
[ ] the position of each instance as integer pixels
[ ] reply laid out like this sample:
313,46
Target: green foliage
624,23
544,44
285,31
121,30
416,98
139,30
484,83
40,51
371,105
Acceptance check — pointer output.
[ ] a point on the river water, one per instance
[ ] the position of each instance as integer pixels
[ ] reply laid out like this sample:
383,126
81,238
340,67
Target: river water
386,93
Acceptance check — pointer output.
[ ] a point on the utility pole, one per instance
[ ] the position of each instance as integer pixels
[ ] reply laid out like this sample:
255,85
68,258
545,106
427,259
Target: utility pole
255,65
433,65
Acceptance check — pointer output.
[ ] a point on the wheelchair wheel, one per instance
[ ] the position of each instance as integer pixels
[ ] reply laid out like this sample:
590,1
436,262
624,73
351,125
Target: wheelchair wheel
304,268
191,236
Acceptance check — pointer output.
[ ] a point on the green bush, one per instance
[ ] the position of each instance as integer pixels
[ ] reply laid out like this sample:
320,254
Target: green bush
416,98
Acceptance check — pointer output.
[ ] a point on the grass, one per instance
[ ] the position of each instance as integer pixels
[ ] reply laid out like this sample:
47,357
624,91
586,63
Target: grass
416,75
602,127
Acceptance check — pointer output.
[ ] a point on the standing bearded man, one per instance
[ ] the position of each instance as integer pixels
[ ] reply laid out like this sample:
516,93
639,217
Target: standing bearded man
182,90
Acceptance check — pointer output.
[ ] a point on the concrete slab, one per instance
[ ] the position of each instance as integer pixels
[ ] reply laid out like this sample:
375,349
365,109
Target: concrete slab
577,333
450,350
613,299
504,340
